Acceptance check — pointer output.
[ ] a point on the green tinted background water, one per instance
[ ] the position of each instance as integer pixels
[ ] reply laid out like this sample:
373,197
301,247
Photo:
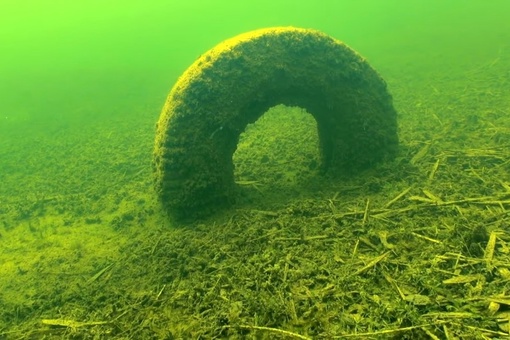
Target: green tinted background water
106,56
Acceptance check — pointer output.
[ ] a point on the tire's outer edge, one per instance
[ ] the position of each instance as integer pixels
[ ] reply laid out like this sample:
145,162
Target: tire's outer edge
235,82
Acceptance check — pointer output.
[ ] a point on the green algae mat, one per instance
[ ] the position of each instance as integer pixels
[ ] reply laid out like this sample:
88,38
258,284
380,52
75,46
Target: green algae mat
415,248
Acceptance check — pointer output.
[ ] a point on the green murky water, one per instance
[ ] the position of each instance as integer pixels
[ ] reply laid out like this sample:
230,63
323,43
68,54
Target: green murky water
415,247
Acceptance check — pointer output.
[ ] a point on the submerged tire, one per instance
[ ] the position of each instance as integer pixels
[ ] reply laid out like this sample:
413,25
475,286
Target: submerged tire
234,83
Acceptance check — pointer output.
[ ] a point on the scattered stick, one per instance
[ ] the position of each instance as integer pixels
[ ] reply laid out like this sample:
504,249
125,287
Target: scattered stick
426,238
420,154
71,323
489,250
306,238
434,170
99,274
155,245
365,213
372,263
398,197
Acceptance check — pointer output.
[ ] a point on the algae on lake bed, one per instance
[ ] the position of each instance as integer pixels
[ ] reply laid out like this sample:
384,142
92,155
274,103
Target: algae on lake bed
416,248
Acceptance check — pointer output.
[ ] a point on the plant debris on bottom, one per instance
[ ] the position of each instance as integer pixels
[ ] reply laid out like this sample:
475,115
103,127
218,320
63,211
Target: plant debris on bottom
418,248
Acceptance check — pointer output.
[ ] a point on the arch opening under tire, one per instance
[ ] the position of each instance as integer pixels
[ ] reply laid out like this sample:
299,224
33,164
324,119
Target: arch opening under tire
278,152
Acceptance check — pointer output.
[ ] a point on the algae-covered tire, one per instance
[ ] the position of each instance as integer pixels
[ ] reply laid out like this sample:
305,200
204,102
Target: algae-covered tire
235,82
